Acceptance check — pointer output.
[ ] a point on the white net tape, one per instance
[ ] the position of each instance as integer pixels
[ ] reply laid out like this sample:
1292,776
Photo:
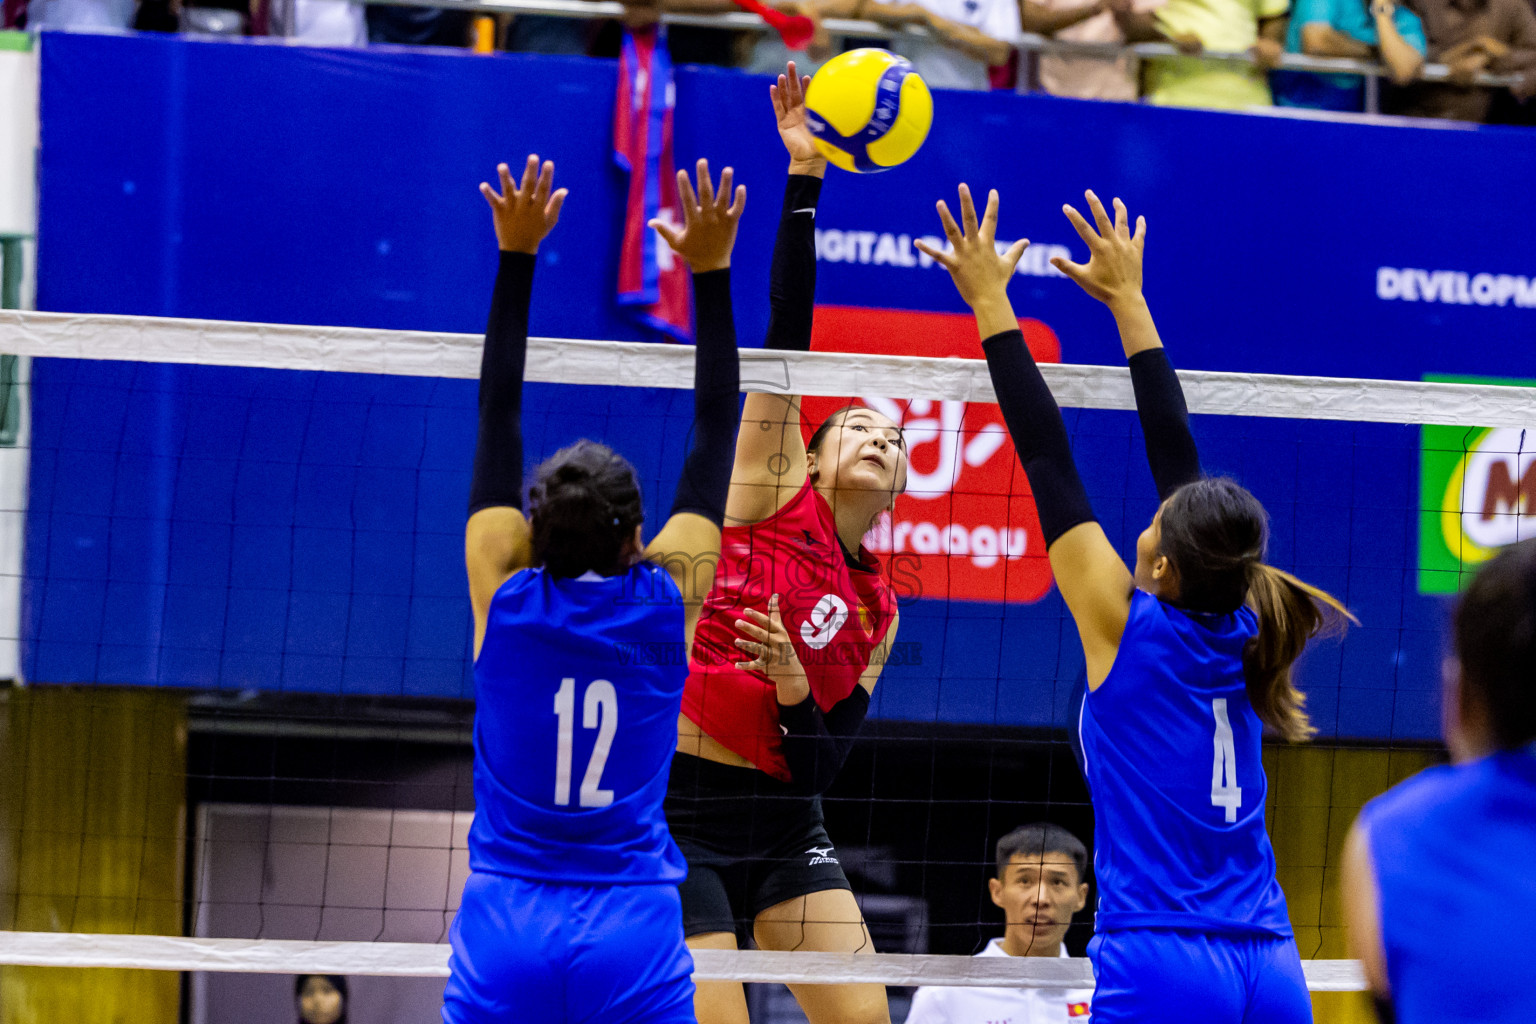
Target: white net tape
428,960
643,364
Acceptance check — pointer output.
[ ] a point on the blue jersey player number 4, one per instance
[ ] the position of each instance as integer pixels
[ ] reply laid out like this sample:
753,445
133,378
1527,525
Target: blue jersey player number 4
1195,645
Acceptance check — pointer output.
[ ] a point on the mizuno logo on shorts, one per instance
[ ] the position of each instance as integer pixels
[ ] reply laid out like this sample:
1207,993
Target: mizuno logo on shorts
809,209
821,855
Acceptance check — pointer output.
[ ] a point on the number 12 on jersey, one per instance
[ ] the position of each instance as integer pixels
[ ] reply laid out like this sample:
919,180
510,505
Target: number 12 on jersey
1225,792
600,710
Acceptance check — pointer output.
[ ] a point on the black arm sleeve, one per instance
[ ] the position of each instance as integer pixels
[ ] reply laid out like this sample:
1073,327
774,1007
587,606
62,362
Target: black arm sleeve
792,276
815,743
1171,450
498,473
1039,434
706,475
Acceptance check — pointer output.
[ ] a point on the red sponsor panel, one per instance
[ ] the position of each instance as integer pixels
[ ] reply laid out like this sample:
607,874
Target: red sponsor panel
966,528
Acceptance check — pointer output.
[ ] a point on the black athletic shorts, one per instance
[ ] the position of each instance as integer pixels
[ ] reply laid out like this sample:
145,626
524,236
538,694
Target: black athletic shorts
751,842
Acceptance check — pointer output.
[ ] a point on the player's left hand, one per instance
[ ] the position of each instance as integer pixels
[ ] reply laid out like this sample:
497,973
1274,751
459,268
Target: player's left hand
524,215
765,637
1113,271
788,95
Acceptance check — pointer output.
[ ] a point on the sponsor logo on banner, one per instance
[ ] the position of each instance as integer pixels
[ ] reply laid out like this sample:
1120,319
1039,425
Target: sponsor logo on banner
966,528
1477,494
1458,288
886,248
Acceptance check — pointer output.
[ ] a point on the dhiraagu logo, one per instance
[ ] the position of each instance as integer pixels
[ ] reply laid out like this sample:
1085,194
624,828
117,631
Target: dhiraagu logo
1477,494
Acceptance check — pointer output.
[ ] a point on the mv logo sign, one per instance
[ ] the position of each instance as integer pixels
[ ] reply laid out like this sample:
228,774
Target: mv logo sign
1478,494
966,528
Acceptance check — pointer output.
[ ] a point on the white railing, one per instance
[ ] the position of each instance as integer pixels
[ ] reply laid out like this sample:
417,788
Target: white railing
1027,44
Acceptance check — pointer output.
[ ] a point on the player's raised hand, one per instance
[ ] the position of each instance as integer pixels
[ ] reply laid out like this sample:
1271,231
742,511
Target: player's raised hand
709,220
980,272
765,638
524,214
788,95
1113,271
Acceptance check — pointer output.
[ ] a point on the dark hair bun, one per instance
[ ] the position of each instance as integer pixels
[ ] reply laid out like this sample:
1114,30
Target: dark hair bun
583,508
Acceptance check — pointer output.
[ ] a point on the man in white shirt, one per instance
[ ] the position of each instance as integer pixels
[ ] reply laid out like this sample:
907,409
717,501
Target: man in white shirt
1039,886
964,38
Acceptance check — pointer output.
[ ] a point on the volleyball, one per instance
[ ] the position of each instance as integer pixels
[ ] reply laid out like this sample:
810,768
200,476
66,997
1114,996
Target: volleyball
869,110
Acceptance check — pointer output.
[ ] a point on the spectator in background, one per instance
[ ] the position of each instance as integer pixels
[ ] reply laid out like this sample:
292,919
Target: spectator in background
1040,884
418,26
966,36
1255,27
322,998
316,22
1343,28
1470,36
81,15
13,14
1104,21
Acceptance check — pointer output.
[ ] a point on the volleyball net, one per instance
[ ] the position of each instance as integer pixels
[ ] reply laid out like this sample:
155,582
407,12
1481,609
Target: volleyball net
240,617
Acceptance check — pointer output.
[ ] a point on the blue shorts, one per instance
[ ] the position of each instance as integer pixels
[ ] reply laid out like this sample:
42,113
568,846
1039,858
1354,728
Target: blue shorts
540,953
1173,977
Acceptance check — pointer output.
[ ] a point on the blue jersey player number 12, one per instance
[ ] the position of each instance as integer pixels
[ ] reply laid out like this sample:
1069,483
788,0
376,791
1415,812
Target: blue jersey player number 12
571,910
600,712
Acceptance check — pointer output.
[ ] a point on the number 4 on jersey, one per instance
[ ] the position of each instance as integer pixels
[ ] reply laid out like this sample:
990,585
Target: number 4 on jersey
599,706
1225,792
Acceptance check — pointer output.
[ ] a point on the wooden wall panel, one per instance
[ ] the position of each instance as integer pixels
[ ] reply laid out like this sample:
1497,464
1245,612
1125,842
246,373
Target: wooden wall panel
1315,792
95,801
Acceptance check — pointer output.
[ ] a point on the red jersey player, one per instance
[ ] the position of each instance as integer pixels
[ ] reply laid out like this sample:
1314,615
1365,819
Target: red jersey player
790,643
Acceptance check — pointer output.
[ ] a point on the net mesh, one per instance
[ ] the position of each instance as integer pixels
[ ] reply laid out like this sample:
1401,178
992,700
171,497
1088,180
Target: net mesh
234,564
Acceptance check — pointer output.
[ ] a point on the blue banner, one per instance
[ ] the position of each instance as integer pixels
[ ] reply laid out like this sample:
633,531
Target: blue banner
204,527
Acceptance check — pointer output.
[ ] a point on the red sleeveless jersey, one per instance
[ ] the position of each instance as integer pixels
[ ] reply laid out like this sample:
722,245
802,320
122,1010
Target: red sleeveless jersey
835,613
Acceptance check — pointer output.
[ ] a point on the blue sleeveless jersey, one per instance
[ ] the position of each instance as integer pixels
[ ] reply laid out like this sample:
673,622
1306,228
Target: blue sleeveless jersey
577,691
1172,754
1453,850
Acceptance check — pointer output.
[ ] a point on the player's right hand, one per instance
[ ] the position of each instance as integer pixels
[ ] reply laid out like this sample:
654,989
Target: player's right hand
980,272
523,216
708,233
773,654
788,96
1113,271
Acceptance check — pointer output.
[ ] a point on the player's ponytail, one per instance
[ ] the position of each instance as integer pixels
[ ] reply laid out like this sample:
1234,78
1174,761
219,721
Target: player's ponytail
1215,532
1291,612
583,510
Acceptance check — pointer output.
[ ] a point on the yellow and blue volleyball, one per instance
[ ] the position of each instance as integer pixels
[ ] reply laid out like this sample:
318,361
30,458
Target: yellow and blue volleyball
868,110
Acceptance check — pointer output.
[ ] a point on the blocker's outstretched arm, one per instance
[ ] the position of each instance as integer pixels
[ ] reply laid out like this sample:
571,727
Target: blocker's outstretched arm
688,546
1094,582
1113,276
497,542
